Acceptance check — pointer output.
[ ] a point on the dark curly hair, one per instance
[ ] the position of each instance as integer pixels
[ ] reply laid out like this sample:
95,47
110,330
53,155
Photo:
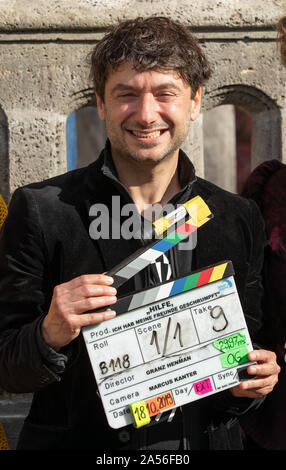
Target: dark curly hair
154,43
281,28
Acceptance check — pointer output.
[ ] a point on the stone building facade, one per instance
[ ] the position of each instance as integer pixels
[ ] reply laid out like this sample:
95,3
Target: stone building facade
44,78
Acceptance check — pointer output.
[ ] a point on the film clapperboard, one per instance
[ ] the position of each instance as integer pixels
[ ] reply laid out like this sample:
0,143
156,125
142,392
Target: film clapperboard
172,343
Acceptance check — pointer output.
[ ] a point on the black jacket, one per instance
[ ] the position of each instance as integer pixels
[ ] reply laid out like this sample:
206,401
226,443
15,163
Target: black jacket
44,242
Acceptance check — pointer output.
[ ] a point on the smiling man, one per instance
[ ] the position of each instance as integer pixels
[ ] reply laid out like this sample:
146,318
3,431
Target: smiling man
147,75
147,114
147,117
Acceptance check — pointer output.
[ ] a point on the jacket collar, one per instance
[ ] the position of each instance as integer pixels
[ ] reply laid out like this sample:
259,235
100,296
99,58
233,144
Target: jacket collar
102,179
104,167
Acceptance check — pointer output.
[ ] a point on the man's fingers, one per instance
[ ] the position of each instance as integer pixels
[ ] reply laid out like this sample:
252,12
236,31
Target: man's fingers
266,375
84,280
87,304
76,322
254,388
262,355
91,290
92,318
261,383
256,392
65,295
266,364
269,368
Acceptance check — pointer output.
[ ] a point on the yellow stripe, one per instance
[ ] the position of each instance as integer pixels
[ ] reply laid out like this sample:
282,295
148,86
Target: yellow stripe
161,225
198,211
202,222
197,224
218,272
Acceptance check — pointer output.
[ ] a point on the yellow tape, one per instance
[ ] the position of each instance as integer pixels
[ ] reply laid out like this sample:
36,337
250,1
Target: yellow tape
3,211
161,225
140,414
197,209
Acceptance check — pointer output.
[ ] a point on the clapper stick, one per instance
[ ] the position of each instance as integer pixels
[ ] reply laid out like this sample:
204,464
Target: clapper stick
197,213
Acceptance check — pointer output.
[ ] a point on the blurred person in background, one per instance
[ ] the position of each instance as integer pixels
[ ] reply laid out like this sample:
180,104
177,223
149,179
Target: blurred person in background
266,426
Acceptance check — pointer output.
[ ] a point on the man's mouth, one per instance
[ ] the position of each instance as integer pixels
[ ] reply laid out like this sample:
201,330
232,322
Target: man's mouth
147,134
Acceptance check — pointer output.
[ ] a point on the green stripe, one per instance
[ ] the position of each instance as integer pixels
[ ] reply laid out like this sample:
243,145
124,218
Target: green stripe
174,237
191,281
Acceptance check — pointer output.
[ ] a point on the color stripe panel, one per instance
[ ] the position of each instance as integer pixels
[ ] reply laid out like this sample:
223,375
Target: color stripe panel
150,255
185,229
183,284
137,301
191,281
175,237
127,272
204,277
139,263
150,295
192,228
218,272
178,286
164,291
162,246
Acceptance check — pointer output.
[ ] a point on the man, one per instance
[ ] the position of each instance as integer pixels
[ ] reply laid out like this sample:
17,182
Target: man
147,76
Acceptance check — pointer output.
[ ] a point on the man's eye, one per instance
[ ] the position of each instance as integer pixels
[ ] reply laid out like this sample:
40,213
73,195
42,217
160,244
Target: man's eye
165,96
126,95
166,93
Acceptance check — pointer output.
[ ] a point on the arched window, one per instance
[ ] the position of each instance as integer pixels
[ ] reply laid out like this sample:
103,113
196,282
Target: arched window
242,128
243,136
85,137
227,146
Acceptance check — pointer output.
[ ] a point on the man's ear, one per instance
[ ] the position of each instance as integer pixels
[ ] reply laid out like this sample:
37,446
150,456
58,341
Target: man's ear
196,104
100,107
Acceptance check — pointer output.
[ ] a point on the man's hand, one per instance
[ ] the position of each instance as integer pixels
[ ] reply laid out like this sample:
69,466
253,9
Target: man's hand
266,371
69,302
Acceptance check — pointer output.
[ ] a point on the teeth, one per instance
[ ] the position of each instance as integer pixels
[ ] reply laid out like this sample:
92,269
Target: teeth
150,135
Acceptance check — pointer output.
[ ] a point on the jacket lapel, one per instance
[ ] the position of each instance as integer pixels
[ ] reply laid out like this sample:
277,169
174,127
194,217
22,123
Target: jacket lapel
113,247
207,250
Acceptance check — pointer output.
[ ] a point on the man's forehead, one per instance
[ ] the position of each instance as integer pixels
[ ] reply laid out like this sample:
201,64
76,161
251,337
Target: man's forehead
130,75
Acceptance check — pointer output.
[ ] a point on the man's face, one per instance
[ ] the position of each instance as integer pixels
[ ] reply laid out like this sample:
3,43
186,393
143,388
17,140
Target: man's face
147,114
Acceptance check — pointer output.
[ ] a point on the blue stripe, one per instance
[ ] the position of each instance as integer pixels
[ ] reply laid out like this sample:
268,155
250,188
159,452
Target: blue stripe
178,286
71,142
162,246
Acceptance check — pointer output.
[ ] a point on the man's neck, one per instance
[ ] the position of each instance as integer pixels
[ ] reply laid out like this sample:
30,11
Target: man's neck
148,183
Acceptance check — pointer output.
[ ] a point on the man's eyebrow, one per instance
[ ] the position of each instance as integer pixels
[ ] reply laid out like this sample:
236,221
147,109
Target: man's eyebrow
122,87
162,86
169,86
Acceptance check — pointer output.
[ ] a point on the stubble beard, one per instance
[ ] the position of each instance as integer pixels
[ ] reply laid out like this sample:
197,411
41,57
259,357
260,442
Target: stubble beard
124,151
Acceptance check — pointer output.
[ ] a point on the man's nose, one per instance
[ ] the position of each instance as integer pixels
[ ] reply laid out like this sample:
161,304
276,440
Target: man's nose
147,109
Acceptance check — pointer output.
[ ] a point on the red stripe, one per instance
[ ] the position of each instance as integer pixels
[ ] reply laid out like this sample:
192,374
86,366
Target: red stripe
204,277
185,229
